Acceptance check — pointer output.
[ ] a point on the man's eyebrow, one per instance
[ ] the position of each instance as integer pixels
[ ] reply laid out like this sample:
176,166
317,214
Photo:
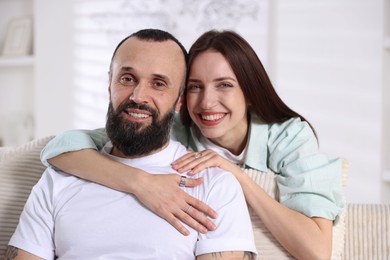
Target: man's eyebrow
126,68
155,75
162,77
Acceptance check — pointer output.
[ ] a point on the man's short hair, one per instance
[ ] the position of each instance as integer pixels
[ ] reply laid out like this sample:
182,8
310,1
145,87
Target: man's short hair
152,35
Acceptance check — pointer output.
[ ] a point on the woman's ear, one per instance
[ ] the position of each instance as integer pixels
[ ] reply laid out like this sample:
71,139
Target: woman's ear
248,104
179,103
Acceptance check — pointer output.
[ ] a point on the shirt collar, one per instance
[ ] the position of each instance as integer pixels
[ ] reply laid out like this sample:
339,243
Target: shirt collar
257,153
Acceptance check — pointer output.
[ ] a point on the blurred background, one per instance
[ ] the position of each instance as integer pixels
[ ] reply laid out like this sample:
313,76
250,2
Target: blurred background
329,60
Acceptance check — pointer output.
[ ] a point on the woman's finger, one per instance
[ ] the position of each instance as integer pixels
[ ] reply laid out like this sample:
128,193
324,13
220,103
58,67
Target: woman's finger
190,161
185,157
189,157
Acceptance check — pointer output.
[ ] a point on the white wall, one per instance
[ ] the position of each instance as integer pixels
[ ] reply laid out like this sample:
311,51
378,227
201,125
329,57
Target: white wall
16,102
53,66
386,101
328,66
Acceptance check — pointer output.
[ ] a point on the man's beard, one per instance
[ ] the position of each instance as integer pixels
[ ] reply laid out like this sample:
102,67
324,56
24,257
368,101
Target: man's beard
134,139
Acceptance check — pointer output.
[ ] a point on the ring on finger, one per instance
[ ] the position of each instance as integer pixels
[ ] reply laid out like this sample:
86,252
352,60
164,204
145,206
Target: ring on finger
183,180
186,211
198,155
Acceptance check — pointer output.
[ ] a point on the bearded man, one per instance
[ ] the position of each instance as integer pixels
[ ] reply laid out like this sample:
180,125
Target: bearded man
67,217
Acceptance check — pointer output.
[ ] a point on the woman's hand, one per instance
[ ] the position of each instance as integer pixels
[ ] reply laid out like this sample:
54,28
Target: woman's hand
195,162
162,194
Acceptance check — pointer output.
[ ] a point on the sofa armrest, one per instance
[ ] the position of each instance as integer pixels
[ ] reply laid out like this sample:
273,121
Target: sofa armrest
367,231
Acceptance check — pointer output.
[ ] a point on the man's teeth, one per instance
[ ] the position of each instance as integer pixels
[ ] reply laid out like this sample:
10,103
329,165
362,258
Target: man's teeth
138,115
212,117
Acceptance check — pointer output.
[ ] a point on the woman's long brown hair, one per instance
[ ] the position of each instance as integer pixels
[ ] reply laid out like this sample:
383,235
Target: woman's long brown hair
250,73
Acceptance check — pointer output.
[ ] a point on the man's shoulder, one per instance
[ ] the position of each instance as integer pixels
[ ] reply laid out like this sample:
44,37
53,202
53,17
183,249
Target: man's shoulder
177,148
57,181
218,176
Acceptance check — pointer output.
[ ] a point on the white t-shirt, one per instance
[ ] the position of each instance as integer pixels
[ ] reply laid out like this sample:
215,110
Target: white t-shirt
75,219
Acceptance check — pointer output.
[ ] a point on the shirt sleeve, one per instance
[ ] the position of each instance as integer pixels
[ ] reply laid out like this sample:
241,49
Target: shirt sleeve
234,230
309,182
34,232
74,140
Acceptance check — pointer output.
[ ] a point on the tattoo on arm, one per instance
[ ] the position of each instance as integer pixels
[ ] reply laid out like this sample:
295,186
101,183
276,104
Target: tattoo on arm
245,255
11,253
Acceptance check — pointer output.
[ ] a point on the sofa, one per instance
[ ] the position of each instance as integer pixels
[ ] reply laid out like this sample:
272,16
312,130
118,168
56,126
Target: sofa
362,231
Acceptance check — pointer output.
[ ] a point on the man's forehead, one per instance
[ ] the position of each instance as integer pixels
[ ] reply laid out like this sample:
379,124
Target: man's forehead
161,58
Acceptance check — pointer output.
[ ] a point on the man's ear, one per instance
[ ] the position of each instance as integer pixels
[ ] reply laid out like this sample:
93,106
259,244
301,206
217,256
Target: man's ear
109,90
179,103
109,84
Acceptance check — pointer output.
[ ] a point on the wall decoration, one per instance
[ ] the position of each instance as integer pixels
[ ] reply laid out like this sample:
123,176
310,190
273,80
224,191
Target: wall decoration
18,39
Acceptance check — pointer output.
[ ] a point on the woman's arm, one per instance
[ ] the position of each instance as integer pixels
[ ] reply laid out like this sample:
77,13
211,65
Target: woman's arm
160,193
303,237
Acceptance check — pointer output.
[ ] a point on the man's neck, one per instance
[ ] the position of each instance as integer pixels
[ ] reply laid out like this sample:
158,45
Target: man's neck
116,152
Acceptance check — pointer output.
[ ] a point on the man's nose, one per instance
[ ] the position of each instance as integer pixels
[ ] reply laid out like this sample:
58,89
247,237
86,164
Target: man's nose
140,94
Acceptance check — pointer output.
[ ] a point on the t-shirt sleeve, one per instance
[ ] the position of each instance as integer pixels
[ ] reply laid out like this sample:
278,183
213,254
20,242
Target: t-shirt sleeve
309,182
74,140
234,229
34,232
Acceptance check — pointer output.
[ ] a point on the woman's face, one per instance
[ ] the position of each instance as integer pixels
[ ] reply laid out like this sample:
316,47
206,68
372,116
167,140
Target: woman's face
216,102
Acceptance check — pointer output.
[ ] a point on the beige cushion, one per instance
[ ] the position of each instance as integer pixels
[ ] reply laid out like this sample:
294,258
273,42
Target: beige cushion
267,246
20,169
368,231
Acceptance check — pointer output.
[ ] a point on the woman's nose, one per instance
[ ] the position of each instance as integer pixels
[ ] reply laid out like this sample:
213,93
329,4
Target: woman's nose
208,99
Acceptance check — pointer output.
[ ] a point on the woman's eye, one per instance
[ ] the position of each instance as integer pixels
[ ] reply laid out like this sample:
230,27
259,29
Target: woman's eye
193,87
226,85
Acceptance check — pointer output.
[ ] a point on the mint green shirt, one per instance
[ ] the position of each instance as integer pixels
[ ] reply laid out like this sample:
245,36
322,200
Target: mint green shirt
308,181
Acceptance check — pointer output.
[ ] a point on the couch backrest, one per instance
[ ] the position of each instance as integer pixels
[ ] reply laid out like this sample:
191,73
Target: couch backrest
20,169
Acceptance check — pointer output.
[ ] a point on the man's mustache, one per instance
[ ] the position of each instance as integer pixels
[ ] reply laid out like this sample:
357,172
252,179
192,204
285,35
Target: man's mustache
132,104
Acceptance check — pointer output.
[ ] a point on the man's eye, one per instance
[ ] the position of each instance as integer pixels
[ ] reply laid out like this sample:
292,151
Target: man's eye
127,80
159,84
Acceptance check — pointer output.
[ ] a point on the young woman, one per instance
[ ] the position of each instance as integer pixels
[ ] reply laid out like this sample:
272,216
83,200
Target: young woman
231,117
